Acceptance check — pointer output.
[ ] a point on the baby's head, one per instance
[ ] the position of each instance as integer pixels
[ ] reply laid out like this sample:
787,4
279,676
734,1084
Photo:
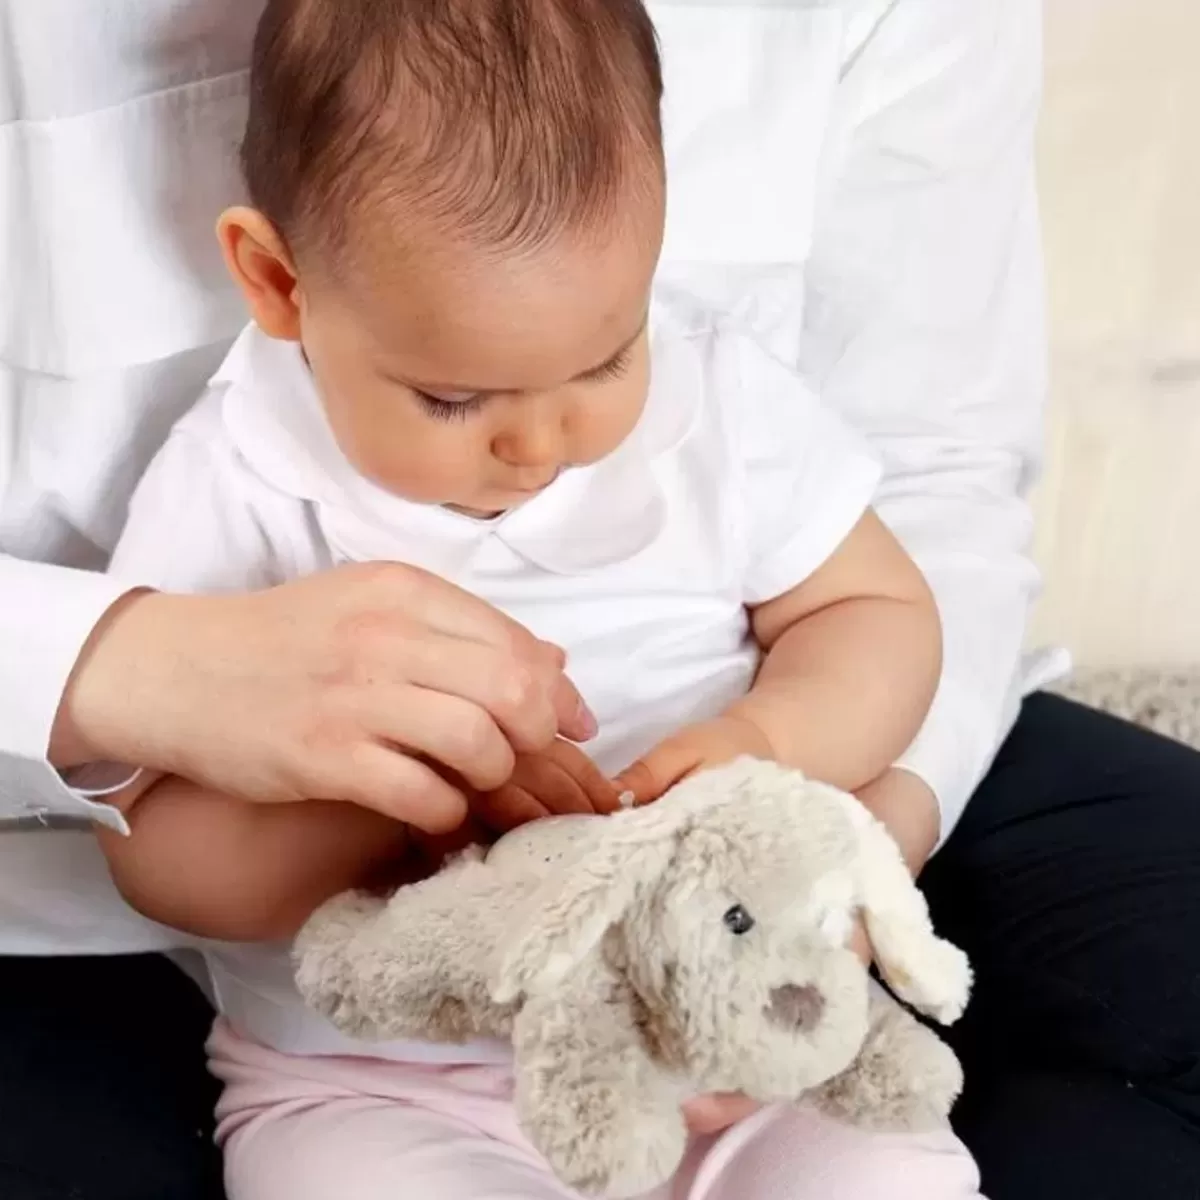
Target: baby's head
458,210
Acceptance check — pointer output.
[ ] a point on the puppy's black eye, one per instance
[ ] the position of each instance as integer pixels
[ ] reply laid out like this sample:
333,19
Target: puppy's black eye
738,920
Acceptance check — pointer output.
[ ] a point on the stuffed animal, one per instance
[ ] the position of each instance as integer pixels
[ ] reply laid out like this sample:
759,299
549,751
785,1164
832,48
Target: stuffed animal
696,945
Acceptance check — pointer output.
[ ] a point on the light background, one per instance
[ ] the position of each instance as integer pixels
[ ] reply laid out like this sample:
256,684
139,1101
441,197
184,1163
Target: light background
1119,508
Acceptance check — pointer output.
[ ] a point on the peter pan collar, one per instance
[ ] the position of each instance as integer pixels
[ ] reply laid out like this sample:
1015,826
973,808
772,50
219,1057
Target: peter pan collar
589,518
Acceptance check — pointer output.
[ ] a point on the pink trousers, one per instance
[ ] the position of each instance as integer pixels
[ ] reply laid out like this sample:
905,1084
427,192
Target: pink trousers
365,1129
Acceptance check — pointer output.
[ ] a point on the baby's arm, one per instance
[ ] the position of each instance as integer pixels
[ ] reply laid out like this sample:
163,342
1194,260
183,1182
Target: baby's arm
853,657
221,868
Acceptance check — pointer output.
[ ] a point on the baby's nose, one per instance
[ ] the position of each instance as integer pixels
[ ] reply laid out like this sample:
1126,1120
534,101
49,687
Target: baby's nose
537,436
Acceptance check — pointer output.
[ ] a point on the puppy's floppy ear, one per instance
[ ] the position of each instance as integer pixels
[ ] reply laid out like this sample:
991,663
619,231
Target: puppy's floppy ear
572,910
922,969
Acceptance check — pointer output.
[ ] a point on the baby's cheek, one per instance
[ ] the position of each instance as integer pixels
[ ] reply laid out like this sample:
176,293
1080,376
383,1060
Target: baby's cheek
607,420
424,461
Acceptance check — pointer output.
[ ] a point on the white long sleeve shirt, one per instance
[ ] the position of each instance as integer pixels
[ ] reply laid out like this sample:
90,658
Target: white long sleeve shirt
852,179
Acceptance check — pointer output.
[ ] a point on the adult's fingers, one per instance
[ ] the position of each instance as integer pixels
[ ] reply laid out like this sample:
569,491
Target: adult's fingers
400,787
447,729
437,604
552,786
531,701
508,808
443,607
572,715
601,794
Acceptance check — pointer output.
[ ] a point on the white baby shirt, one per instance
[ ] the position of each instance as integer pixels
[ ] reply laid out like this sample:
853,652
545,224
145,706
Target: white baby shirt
735,486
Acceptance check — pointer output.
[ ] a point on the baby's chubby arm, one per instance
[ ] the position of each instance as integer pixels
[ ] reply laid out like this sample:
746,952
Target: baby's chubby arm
218,867
853,658
852,661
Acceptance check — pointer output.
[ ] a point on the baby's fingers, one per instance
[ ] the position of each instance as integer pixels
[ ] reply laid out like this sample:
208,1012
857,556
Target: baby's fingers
669,762
507,808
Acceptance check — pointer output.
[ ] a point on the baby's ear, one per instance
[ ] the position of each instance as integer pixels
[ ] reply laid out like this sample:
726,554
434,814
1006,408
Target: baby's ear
571,912
923,969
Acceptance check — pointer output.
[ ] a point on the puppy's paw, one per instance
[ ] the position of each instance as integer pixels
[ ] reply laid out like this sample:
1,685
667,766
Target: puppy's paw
942,987
905,1079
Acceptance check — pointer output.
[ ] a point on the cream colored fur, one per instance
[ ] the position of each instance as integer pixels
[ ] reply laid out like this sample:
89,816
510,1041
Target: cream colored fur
603,947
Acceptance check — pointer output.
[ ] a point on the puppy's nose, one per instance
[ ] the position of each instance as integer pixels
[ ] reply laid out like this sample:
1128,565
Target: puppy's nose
795,1008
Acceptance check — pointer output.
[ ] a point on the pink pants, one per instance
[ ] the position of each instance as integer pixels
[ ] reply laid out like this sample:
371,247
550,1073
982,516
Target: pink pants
364,1129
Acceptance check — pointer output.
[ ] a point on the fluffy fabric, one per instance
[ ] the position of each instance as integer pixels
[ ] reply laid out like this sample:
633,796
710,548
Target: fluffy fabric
1167,702
696,945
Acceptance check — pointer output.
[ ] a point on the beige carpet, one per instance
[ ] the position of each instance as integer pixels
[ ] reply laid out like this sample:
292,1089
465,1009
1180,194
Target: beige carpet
1166,701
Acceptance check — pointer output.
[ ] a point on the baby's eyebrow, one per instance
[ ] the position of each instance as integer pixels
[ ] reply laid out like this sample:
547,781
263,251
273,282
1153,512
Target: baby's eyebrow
463,390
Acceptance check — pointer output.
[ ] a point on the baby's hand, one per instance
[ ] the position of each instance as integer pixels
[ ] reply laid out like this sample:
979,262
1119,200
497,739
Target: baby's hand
693,749
561,780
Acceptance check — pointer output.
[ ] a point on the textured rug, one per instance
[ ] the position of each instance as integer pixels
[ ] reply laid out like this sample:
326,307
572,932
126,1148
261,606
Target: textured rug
1166,701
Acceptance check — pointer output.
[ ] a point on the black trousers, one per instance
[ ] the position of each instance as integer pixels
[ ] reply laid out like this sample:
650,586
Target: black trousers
1074,882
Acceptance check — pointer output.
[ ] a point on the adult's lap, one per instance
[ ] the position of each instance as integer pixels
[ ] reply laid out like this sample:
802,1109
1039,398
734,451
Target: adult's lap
1074,882
103,1089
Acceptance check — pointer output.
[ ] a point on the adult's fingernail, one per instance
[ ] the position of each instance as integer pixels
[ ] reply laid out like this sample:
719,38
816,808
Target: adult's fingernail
588,724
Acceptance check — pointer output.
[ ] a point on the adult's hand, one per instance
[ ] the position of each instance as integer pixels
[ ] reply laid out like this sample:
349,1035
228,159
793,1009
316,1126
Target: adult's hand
562,780
347,685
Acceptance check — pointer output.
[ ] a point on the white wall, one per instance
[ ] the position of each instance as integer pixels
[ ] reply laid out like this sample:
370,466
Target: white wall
1120,510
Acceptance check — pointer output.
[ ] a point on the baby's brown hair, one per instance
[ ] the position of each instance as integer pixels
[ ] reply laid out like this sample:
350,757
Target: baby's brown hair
506,122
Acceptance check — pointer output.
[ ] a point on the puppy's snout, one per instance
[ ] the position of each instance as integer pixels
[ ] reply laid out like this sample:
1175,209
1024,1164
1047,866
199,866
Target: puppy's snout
795,1008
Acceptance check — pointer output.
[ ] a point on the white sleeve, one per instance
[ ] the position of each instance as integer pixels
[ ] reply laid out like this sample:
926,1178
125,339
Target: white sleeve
47,615
193,527
804,476
925,326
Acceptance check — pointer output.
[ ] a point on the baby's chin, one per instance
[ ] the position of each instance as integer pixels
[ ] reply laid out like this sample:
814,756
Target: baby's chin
495,504
476,514
490,510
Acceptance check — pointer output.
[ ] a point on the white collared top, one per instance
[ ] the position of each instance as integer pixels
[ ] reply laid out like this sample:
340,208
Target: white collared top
851,181
736,484
734,487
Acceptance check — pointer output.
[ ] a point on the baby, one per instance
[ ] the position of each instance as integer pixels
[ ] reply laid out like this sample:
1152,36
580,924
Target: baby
456,361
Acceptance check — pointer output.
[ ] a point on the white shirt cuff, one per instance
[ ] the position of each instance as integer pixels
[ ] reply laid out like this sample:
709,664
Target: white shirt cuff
47,615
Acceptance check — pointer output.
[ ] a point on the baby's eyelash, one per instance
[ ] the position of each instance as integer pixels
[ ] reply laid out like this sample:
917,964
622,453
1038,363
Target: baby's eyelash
614,368
460,410
447,410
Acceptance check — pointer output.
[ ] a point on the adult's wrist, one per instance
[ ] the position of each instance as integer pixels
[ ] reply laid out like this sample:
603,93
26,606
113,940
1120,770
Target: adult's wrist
96,719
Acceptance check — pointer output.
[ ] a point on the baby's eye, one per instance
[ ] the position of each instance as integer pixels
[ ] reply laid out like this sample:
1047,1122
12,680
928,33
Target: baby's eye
450,410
